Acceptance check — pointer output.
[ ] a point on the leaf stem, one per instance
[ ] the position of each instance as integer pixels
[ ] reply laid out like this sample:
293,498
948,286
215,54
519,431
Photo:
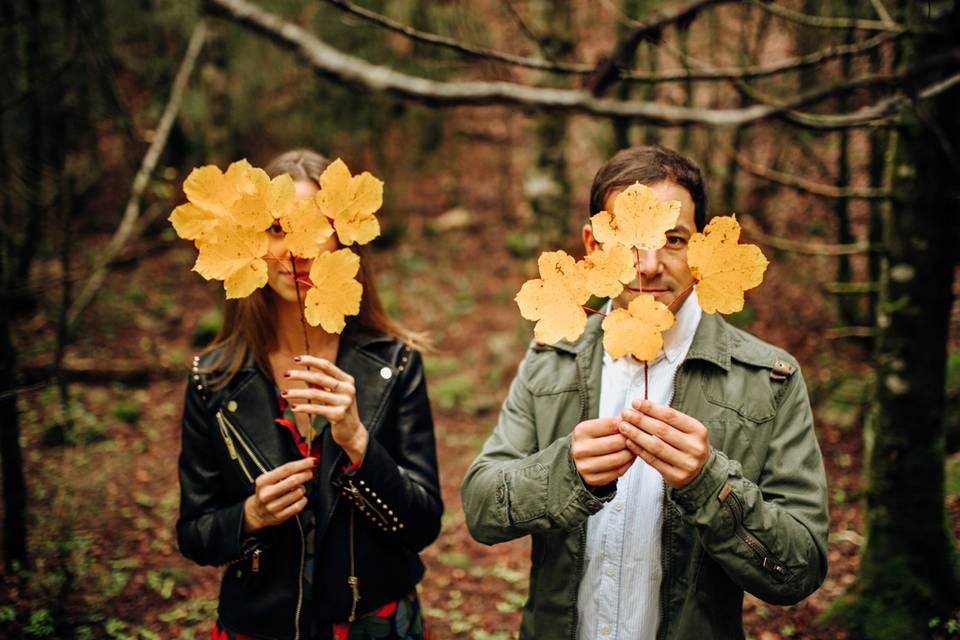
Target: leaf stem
683,293
306,340
591,310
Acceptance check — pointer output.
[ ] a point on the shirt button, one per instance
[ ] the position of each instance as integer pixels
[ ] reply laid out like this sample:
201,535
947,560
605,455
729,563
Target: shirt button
605,630
618,506
611,571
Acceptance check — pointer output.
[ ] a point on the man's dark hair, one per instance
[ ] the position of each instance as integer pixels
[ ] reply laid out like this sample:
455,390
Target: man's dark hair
649,165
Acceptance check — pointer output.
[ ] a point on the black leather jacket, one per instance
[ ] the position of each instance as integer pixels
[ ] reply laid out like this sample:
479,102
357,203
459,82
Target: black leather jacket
229,437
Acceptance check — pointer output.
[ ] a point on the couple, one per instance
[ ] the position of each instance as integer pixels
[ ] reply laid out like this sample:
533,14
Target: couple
711,486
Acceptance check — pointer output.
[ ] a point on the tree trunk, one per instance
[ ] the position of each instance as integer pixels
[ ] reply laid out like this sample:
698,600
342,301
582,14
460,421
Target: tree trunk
546,184
621,126
908,572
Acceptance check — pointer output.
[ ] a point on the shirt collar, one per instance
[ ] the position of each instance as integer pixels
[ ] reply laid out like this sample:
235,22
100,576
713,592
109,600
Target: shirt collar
678,337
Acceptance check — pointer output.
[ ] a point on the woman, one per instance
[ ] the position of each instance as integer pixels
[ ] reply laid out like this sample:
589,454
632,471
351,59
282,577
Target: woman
319,540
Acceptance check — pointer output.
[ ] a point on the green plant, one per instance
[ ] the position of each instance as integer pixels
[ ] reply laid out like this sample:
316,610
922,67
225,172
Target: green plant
126,411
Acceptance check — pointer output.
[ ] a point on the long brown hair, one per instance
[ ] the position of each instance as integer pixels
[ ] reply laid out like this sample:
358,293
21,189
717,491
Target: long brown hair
248,330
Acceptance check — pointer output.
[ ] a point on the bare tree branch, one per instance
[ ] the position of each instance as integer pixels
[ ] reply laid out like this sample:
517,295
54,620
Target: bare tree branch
651,29
881,10
462,48
802,184
128,224
705,72
344,68
825,21
810,248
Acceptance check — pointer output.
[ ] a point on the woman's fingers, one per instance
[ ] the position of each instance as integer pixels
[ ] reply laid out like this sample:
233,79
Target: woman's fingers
292,510
275,507
271,492
326,366
314,378
333,413
317,395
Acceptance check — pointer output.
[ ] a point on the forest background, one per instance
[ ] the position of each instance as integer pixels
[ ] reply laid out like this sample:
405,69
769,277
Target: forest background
829,127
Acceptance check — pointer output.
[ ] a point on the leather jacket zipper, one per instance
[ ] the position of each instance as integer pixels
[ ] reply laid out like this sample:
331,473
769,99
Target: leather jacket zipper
732,503
227,429
231,448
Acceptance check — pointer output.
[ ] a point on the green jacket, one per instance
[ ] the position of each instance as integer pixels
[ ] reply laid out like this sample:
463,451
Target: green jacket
754,520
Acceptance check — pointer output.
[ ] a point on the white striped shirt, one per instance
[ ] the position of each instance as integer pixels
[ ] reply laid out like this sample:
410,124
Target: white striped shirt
619,594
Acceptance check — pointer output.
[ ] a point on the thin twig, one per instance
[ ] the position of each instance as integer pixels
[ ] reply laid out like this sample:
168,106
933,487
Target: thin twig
825,22
885,16
803,184
128,224
812,248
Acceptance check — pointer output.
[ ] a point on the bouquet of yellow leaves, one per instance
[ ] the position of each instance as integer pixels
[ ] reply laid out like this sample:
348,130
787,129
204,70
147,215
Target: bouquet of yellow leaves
229,214
721,267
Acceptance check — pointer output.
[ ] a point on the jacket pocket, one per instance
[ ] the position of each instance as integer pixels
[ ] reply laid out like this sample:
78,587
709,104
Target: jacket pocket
527,492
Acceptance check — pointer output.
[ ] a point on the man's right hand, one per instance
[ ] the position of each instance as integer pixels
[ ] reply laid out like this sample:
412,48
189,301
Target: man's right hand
600,451
280,495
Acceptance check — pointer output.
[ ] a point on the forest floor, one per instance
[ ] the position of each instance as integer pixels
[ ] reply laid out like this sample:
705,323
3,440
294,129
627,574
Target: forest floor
103,508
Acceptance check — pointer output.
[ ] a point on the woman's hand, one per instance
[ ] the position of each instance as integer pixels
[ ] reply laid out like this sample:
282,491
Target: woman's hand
332,394
280,495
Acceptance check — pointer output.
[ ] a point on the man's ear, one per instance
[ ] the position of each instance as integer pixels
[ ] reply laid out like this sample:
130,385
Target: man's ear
590,243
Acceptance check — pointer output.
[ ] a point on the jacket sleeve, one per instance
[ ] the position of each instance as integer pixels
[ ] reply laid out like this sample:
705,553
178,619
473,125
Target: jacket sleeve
209,529
513,489
399,489
771,537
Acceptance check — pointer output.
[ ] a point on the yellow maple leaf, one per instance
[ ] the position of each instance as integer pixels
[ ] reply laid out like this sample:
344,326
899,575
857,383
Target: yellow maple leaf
555,299
336,292
350,201
638,219
638,329
239,197
608,269
233,254
724,269
306,229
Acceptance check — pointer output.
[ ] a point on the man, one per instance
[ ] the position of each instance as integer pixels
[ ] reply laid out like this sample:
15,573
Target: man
651,517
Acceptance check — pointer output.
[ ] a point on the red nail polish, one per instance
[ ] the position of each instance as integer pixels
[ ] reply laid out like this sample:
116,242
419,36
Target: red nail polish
293,406
286,374
296,358
283,393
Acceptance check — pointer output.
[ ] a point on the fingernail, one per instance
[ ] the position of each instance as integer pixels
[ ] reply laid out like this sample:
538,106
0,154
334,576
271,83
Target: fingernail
296,358
283,393
315,461
286,374
293,406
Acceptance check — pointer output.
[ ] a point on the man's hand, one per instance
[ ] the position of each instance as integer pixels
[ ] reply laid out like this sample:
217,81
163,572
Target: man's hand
671,442
280,495
600,452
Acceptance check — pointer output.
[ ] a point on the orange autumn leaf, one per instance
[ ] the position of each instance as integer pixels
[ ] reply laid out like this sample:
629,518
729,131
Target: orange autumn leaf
608,269
233,254
638,219
350,202
335,292
237,197
555,299
306,228
638,329
724,269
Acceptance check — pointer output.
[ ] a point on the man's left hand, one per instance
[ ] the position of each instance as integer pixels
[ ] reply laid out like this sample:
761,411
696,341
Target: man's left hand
671,442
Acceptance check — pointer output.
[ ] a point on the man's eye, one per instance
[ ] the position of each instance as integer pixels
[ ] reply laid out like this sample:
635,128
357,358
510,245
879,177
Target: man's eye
675,241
